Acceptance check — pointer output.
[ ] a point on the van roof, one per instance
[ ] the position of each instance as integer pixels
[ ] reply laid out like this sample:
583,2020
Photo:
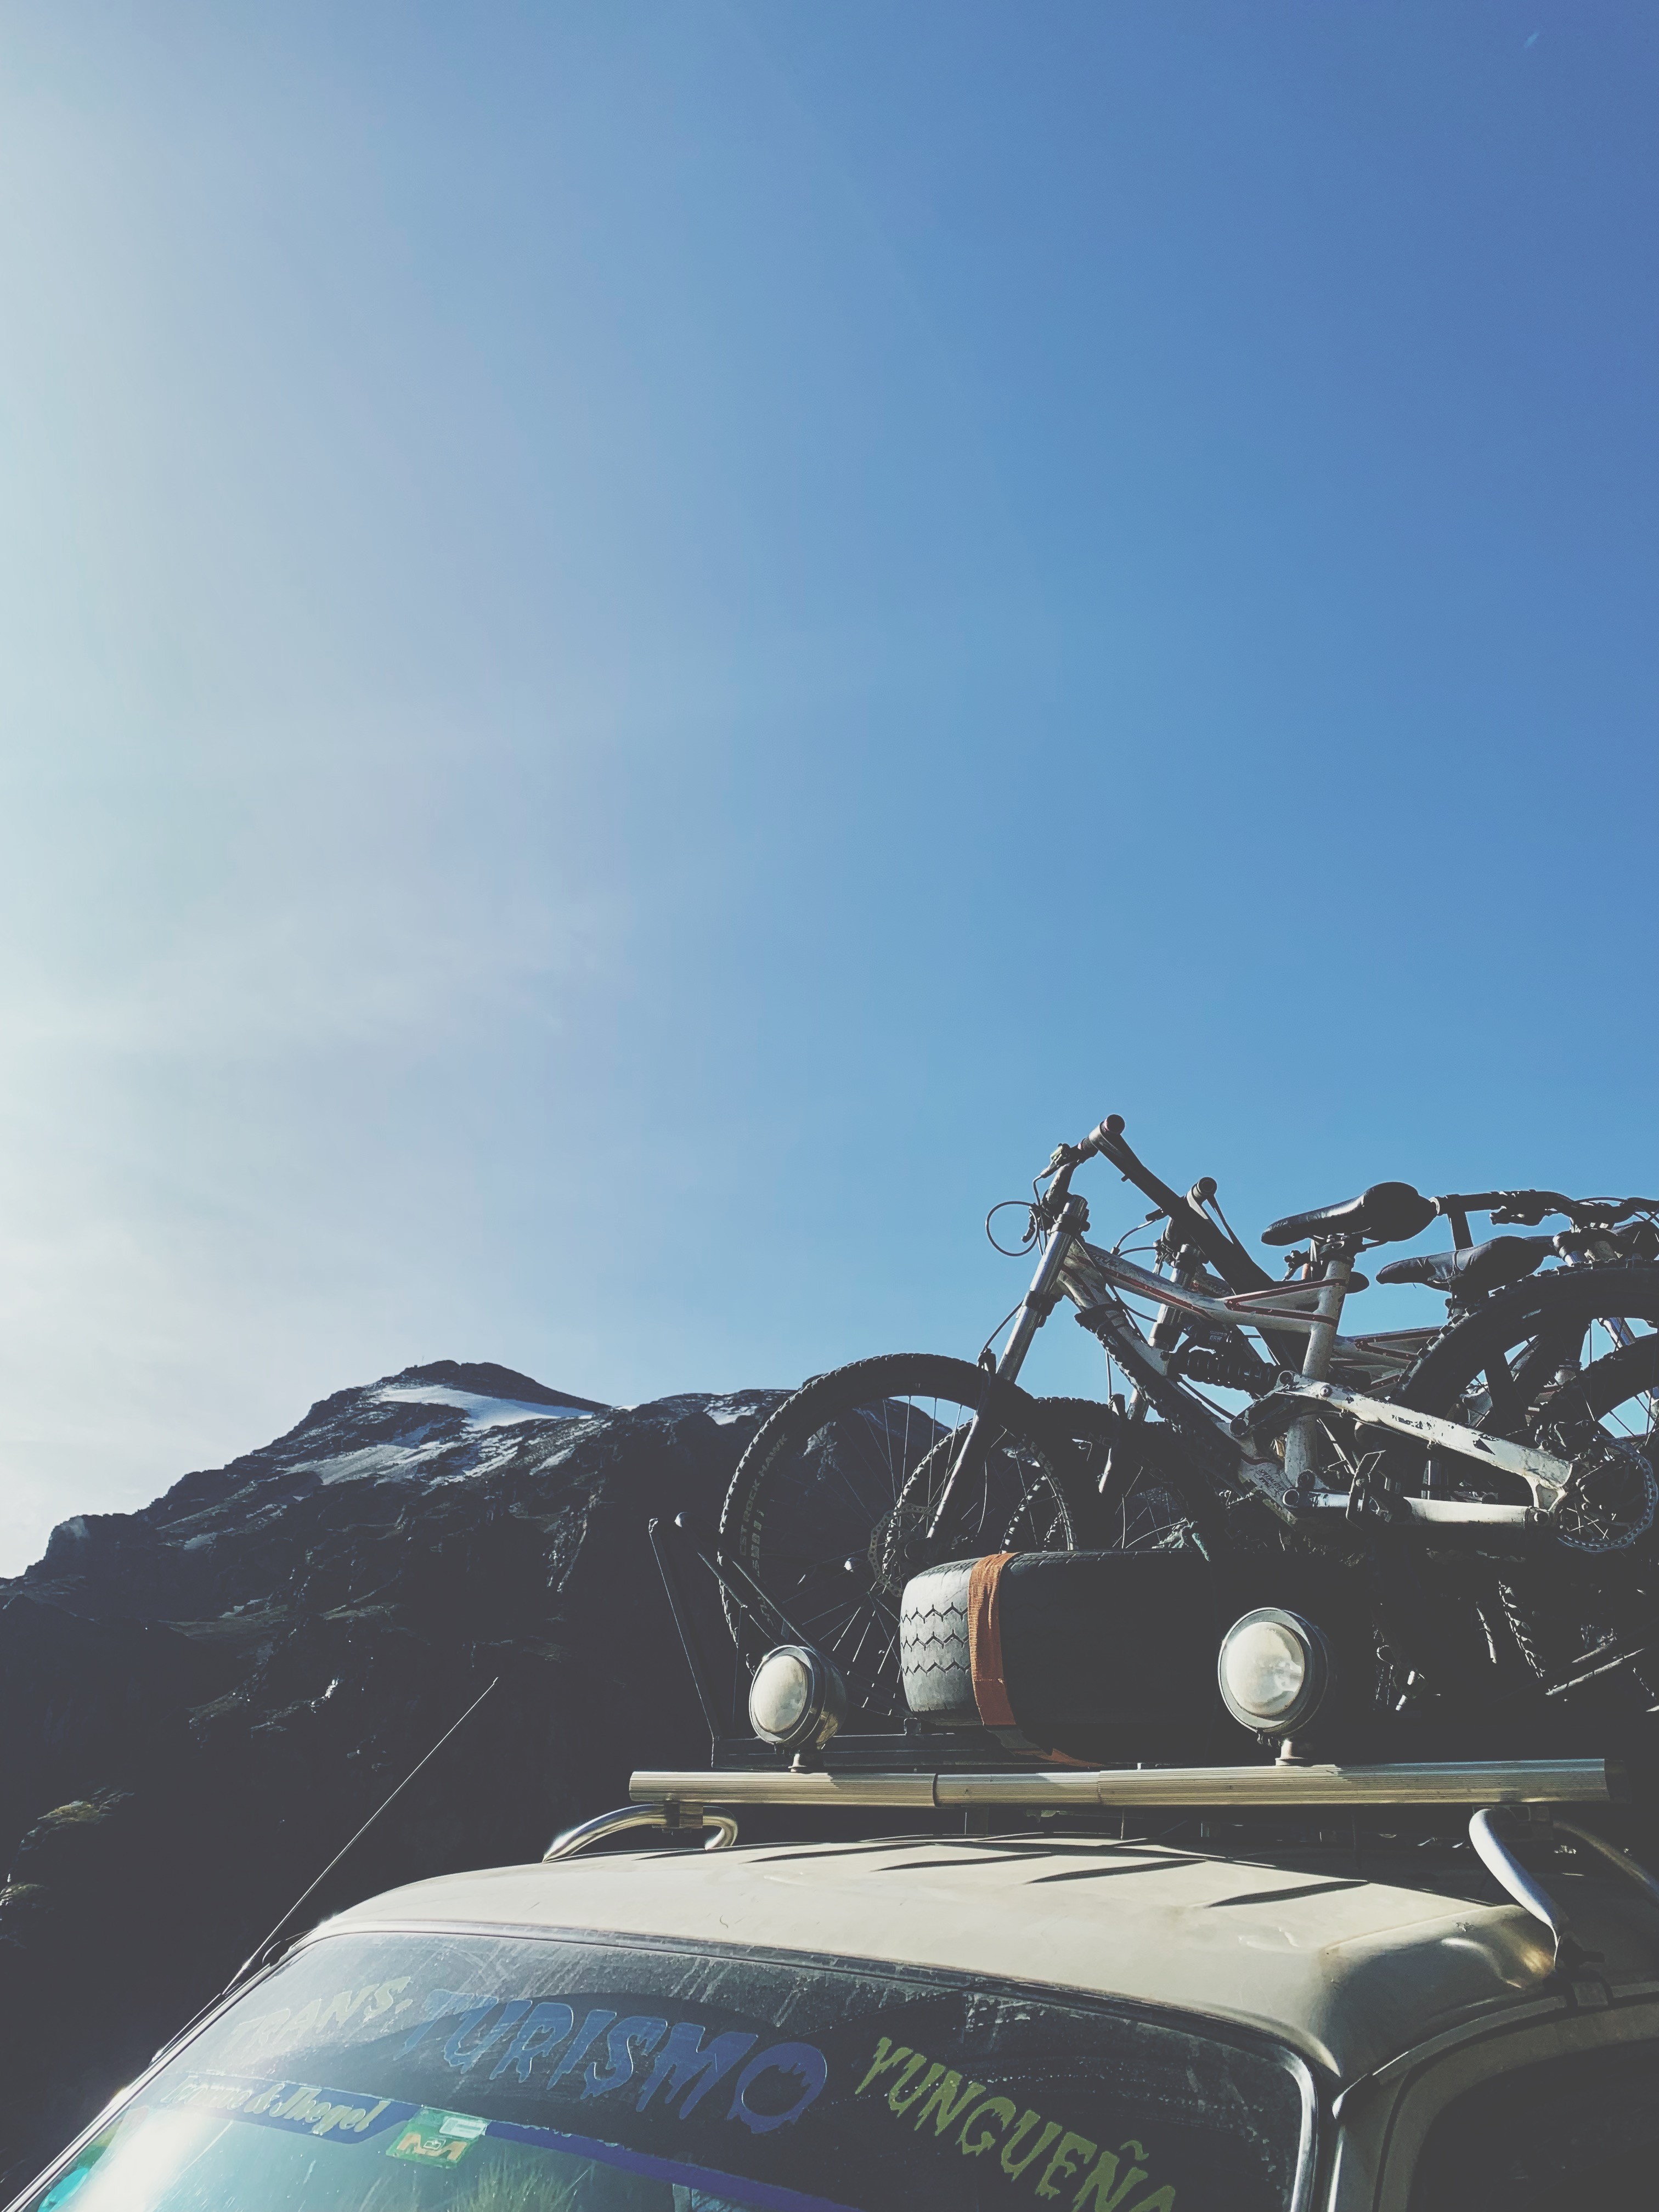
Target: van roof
1350,1968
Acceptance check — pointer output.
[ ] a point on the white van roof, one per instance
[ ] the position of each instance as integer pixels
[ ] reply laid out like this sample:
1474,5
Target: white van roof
1349,1967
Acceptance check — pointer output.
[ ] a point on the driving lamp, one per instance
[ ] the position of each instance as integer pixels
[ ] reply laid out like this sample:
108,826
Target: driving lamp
797,1700
1274,1669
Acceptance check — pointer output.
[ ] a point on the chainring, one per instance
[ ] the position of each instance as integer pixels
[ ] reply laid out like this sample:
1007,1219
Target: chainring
1610,1502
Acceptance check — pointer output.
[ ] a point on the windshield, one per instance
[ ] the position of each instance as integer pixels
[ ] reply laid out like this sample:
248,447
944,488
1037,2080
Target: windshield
471,2073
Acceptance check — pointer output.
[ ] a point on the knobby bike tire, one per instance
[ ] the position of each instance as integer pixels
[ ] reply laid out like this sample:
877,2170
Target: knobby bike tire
1529,1312
1150,1495
858,1514
1558,1608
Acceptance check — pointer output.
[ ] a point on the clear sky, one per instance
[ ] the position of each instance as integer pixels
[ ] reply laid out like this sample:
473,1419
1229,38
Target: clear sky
644,645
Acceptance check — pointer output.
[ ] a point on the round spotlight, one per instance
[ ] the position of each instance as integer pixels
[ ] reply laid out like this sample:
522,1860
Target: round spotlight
797,1699
1274,1669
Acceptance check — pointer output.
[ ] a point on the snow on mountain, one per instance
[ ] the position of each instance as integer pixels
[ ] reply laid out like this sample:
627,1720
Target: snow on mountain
482,1413
205,1697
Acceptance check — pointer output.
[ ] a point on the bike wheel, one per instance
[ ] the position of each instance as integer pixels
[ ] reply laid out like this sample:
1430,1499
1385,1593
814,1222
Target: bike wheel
1151,1496
1566,1361
1569,1361
821,1508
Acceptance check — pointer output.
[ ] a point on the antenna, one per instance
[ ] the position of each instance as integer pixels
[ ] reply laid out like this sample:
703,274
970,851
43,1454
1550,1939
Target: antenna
260,1954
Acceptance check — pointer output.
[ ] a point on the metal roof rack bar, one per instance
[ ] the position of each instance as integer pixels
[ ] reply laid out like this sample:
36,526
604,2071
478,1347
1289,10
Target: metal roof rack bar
1054,1789
569,1841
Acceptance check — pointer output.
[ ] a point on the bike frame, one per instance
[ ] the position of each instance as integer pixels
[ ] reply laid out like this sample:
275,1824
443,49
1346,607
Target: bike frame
1096,1281
1282,1313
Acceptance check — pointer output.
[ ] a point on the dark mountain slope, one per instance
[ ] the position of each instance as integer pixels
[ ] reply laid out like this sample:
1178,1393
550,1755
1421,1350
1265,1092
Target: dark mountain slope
203,1699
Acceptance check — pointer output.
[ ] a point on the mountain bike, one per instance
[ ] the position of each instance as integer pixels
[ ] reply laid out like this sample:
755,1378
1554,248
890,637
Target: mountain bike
1489,1437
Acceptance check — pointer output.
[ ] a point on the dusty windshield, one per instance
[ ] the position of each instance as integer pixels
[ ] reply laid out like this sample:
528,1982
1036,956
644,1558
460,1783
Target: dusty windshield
406,2073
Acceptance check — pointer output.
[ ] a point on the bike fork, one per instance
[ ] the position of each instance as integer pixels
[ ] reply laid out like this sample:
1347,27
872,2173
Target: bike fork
1035,1308
1038,1302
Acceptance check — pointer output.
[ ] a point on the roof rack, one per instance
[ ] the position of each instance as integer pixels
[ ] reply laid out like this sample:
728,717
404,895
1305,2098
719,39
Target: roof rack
680,1793
1517,1789
927,1770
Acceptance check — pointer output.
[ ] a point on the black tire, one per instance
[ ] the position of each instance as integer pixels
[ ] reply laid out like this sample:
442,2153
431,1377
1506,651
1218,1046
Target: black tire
1514,1367
1150,1495
1528,1328
1150,1499
1508,1368
818,1498
1087,1642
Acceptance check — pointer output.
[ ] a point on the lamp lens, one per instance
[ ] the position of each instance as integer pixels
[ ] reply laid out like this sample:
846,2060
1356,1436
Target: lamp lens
1264,1668
779,1694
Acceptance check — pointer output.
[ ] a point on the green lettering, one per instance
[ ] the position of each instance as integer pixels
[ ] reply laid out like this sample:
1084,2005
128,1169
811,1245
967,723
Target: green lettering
896,2099
1004,2109
1028,2120
887,2055
1072,2148
1161,2200
1098,2189
945,2105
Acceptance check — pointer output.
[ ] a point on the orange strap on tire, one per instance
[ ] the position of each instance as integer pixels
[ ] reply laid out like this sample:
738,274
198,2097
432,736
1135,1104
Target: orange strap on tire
985,1641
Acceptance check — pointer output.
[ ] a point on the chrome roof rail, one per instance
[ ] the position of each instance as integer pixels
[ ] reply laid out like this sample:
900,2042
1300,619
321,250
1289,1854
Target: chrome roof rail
569,1841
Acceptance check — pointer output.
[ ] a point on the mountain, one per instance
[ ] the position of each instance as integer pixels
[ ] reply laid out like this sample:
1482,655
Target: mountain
204,1700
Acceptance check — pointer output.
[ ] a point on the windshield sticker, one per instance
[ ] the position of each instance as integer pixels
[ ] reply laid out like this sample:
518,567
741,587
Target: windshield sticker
423,2135
1045,2153
433,2139
265,2033
300,2108
607,2070
674,2064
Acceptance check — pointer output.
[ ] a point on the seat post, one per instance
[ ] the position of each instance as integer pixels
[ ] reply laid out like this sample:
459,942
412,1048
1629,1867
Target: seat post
1302,1443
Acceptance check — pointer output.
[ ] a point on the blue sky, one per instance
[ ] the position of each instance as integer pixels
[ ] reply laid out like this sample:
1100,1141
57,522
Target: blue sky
643,646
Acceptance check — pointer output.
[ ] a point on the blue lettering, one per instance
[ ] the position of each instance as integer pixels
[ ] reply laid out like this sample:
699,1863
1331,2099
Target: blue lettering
637,2028
588,2034
803,2060
549,2024
684,2060
512,2013
436,2004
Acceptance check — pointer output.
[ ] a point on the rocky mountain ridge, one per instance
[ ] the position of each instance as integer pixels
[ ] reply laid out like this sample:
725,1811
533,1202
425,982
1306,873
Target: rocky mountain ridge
204,1698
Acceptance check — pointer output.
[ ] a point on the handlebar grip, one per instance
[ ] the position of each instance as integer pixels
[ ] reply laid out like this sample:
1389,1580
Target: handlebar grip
1104,1133
1202,1191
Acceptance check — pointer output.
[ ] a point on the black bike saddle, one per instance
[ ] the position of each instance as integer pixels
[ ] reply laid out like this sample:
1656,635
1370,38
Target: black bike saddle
1388,1211
1476,1268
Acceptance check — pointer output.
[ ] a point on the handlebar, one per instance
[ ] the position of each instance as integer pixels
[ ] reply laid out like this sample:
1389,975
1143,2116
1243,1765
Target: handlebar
1527,1208
1235,1266
1239,1269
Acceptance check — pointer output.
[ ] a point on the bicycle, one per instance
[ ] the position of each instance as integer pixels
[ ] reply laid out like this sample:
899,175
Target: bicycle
1482,1435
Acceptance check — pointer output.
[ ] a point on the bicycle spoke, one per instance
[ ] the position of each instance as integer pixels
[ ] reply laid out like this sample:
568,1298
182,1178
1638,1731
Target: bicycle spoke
860,1485
866,1445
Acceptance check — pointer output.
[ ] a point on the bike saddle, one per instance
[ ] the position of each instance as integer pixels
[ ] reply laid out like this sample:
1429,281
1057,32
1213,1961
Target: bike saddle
1476,1268
1389,1212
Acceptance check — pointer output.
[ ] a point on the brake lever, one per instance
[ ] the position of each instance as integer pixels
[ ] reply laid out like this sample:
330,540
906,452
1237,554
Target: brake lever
1063,1155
